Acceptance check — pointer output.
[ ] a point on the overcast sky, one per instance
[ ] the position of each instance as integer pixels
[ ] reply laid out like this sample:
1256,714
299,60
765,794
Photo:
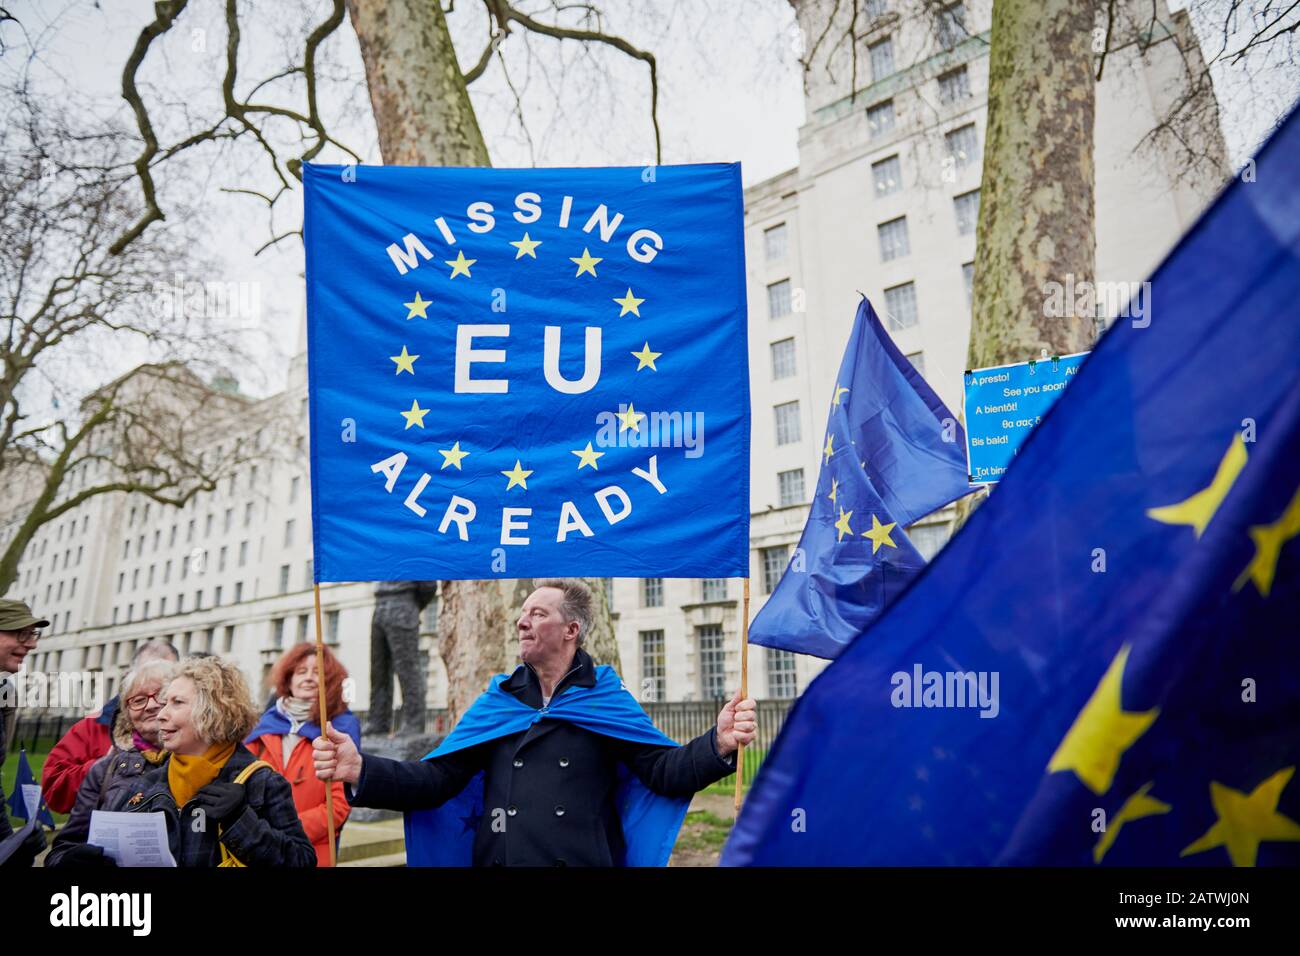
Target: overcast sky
730,90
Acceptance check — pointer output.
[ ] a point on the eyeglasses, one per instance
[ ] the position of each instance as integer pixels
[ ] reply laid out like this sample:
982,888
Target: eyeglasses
30,636
140,701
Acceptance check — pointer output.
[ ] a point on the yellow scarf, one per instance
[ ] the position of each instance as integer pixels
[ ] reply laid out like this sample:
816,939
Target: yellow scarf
154,757
187,774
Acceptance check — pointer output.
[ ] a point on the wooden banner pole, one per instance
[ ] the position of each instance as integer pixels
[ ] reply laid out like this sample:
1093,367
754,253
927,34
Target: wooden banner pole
744,689
324,720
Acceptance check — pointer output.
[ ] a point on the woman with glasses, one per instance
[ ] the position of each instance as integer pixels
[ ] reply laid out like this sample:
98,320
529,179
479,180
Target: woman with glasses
135,750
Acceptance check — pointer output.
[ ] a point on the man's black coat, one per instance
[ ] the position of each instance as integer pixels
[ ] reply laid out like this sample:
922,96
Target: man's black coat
552,784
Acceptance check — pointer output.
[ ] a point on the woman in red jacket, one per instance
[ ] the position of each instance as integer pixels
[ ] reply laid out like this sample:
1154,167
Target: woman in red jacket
284,734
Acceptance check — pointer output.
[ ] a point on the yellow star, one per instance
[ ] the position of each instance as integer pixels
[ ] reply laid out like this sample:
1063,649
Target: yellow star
629,418
526,247
1269,539
588,457
417,307
1245,821
840,392
405,361
842,525
415,416
645,358
1135,808
879,534
1102,731
835,490
460,265
517,476
629,302
829,449
452,457
1200,507
586,263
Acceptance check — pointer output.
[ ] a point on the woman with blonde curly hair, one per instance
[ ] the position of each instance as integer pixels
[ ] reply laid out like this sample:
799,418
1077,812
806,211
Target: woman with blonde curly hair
223,807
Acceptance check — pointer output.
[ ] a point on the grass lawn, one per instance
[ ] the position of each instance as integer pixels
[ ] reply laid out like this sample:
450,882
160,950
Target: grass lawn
753,757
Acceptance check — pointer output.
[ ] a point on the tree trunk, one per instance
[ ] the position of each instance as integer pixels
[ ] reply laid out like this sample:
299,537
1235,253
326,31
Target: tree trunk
424,117
1037,214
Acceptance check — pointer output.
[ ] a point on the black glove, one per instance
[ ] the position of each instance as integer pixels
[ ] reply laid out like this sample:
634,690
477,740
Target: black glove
85,854
26,852
222,802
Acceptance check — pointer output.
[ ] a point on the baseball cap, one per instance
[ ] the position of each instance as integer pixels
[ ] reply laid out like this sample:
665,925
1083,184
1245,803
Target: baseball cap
17,616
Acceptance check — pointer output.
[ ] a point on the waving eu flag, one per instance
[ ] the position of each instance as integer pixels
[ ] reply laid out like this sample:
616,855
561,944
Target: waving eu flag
893,454
1101,666
527,372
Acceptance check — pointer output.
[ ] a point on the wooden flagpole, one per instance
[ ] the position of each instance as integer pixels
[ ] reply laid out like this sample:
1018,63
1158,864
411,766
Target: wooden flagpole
324,714
744,689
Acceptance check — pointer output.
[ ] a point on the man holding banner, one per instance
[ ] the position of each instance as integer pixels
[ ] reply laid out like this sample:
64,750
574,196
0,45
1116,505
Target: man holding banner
554,765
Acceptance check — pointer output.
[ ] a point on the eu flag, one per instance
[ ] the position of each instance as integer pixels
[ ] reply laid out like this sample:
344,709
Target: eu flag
27,791
1101,666
527,372
893,453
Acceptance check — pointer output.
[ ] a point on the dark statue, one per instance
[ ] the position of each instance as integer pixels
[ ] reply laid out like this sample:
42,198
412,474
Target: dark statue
395,647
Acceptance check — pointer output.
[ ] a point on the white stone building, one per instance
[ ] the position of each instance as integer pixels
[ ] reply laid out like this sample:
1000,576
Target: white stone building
883,202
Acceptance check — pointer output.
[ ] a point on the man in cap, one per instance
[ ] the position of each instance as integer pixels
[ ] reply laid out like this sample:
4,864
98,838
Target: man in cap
20,629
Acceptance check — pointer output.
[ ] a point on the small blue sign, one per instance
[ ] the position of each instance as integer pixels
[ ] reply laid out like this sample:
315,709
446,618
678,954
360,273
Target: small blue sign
1004,403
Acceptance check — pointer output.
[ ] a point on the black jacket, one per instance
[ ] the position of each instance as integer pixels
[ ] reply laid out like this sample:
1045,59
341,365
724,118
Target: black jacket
266,833
548,791
121,769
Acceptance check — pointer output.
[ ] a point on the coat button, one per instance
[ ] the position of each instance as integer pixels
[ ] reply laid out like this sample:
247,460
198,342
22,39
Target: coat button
518,763
564,761
512,811
122,765
559,811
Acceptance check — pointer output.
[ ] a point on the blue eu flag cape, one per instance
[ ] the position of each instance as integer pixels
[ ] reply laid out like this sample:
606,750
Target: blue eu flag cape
1132,586
444,836
893,453
527,372
18,801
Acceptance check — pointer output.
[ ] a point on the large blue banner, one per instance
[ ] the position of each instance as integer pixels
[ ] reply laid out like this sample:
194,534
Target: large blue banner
527,372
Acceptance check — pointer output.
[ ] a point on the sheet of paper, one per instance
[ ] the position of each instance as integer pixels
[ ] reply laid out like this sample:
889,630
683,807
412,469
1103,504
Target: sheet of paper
132,839
32,798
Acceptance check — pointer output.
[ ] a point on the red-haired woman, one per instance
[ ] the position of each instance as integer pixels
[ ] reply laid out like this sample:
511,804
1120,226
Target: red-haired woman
284,734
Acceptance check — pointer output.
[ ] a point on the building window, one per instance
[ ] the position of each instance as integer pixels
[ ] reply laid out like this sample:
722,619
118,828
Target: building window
302,627
189,532
145,612
713,589
307,580
882,59
207,525
775,242
198,600
783,359
954,86
135,579
787,423
221,558
918,362
951,25
139,546
157,537
216,596
284,579
790,486
774,560
180,604
968,279
893,239
608,584
967,207
228,642
239,591
780,674
652,592
162,607
874,9
277,633
880,118
130,613
331,627
228,521
243,553
963,145
900,306
121,580
887,176
653,666
288,533
248,514
713,662
293,487
167,571
778,299
928,539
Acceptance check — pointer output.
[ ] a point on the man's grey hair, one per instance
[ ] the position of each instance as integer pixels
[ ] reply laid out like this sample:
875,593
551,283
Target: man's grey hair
577,604
157,649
